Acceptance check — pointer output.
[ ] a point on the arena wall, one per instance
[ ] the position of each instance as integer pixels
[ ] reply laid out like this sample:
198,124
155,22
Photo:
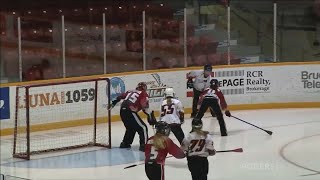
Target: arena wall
257,86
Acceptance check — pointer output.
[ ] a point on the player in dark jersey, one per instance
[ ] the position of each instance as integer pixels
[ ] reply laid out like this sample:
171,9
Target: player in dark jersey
210,99
157,148
134,101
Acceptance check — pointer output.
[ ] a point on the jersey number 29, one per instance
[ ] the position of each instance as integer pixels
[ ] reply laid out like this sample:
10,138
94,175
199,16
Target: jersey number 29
197,145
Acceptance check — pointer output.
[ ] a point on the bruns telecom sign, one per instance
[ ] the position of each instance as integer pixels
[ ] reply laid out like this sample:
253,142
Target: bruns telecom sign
310,80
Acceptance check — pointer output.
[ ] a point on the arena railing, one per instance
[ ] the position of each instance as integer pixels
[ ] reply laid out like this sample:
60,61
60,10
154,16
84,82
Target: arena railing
236,32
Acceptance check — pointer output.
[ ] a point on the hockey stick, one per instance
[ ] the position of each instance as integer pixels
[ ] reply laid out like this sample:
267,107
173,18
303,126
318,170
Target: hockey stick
110,108
239,150
311,174
134,165
267,131
233,150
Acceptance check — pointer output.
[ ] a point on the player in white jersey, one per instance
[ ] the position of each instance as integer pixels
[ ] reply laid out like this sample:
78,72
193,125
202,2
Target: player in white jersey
172,113
199,81
199,145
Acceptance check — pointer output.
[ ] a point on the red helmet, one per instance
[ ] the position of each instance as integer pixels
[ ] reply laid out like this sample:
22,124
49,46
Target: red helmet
142,86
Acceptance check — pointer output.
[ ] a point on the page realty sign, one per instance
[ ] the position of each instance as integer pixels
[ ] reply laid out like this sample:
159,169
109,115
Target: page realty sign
243,81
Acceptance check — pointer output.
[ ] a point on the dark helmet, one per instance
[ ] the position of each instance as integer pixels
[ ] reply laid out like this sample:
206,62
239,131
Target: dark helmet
142,86
163,128
214,83
207,67
196,123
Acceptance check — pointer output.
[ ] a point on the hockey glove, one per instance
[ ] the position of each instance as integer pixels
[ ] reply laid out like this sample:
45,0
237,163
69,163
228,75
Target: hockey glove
181,120
181,117
212,152
227,113
151,119
190,83
113,104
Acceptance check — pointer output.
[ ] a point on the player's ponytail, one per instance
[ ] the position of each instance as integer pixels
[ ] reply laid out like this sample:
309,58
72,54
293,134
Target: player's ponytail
159,141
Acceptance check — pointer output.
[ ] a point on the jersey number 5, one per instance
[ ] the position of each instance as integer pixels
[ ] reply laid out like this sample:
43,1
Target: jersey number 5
167,109
197,145
153,153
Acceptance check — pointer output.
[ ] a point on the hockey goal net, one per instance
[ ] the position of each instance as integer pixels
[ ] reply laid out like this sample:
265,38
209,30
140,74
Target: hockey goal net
61,116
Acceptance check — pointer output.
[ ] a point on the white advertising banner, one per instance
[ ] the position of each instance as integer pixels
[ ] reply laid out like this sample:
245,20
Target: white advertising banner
270,84
156,83
241,85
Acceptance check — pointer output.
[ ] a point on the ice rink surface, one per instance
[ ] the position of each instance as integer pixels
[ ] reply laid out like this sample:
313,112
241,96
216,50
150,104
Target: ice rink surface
292,152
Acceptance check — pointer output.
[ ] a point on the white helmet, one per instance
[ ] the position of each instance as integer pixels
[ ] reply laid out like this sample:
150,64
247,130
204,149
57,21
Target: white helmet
169,92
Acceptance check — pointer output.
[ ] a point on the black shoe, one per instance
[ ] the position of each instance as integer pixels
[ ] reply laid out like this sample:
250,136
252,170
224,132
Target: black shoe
141,148
124,145
224,134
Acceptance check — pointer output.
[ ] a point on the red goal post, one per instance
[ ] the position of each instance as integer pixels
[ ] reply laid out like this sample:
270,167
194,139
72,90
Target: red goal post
61,116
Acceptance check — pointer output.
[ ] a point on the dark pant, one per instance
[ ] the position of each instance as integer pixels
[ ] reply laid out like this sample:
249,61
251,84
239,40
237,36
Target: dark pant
199,167
133,124
214,105
196,95
154,171
177,131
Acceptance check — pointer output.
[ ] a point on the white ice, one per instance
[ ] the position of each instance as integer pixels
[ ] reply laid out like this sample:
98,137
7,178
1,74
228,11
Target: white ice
292,152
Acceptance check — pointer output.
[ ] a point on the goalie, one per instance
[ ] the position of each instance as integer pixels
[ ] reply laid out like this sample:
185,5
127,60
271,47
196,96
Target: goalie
172,113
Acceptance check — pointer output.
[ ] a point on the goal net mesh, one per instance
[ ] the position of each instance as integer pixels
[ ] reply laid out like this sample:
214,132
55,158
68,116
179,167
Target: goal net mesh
61,116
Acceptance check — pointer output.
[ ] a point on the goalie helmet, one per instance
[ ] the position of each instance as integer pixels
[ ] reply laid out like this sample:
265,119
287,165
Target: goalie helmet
196,123
142,86
162,128
169,92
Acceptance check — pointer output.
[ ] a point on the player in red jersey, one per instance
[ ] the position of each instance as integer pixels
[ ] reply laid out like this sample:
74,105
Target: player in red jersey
157,148
210,99
134,101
